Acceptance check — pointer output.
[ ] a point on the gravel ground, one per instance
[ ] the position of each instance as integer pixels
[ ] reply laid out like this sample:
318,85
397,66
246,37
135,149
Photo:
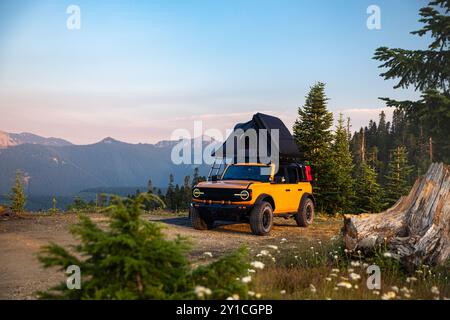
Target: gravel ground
21,274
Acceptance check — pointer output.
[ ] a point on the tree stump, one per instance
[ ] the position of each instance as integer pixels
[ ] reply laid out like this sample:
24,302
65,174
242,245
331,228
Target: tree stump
416,229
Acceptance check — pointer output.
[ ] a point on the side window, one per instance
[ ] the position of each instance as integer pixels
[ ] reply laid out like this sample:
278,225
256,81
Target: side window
280,176
292,174
301,174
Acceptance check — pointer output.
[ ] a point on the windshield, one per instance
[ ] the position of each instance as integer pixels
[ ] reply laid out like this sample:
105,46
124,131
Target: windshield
252,173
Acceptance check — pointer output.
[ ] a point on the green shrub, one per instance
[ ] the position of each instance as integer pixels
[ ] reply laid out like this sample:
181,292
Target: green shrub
131,259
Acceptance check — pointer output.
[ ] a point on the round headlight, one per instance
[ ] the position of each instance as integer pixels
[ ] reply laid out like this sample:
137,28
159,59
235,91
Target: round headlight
196,193
244,194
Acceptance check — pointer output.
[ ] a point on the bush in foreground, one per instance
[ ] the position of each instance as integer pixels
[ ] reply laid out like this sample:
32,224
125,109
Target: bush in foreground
131,259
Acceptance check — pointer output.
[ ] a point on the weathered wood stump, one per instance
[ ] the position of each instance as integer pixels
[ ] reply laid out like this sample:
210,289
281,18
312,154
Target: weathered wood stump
416,229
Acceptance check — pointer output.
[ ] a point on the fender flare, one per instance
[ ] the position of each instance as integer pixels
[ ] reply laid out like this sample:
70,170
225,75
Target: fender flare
263,196
305,196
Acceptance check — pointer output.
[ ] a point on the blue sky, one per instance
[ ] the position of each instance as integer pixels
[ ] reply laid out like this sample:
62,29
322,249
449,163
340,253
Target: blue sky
137,70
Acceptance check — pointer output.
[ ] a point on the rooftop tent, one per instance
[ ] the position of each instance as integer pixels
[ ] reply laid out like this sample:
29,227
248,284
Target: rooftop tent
286,146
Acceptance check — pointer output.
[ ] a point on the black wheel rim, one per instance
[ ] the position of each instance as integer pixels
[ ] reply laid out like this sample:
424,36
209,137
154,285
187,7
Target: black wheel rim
309,213
267,215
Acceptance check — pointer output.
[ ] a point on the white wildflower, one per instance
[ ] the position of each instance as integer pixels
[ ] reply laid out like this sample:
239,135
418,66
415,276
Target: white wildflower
257,264
283,292
335,270
395,289
387,255
207,254
201,291
251,293
411,279
272,247
344,284
355,263
389,295
251,270
435,290
328,279
354,276
312,288
246,279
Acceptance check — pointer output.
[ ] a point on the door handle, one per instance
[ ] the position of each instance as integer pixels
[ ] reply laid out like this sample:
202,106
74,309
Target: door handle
300,189
288,190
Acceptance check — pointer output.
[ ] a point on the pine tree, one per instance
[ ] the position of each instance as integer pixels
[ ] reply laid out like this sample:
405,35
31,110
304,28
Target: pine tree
17,197
195,177
186,192
312,132
426,71
340,195
397,178
150,188
369,196
132,259
170,194
54,209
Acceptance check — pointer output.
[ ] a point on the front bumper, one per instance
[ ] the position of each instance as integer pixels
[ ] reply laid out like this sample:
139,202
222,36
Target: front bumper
225,212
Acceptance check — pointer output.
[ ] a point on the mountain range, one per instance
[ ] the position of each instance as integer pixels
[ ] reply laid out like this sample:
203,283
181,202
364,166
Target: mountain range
55,167
15,139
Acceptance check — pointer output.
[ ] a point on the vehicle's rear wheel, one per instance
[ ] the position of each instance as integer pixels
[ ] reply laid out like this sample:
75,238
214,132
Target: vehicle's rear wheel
261,219
305,214
198,222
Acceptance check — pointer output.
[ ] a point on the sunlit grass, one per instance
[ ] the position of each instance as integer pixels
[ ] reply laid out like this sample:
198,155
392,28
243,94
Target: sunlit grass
318,270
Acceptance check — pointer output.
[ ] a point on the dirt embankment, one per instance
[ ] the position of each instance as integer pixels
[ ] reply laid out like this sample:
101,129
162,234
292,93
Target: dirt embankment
20,240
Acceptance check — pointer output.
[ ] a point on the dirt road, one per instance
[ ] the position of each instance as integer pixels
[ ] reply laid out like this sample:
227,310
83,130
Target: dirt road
20,239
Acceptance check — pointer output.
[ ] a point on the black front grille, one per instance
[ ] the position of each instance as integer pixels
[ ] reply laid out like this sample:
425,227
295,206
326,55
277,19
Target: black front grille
217,194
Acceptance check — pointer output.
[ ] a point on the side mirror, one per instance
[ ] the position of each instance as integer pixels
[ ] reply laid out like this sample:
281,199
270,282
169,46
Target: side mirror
215,178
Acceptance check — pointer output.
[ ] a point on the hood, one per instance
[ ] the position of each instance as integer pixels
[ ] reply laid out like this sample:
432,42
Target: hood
232,184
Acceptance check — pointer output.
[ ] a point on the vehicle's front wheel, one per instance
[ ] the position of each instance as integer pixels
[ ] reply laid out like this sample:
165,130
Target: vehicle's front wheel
261,219
305,214
198,222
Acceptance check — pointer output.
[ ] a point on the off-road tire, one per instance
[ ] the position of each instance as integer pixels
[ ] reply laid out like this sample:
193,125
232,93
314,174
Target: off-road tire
305,214
198,222
261,218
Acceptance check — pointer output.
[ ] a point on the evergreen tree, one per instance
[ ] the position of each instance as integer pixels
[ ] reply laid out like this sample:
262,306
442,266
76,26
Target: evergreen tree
54,209
150,188
312,132
397,179
340,195
195,177
170,194
369,196
427,71
187,196
131,259
17,197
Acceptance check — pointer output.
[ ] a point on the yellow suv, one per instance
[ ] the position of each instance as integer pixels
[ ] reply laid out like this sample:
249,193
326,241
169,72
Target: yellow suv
243,193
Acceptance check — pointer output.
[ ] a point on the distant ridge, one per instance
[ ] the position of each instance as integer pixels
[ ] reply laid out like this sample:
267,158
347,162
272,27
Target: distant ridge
14,139
59,168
